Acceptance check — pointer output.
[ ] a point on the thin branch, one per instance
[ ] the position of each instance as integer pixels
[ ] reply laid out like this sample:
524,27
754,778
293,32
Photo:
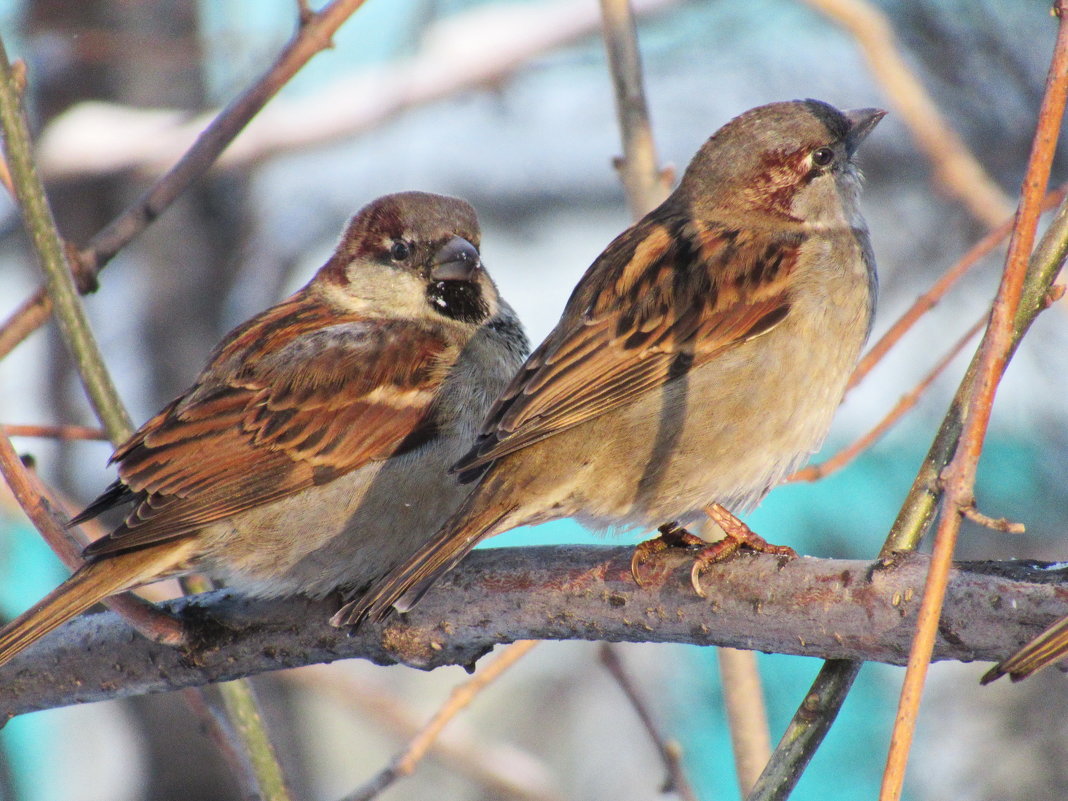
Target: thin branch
1004,525
750,735
645,183
833,609
462,696
63,432
954,164
222,733
243,711
814,472
806,731
670,751
931,297
27,318
994,353
33,498
70,314
241,708
501,767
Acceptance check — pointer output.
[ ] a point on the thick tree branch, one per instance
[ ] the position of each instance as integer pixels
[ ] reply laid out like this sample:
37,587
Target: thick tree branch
834,609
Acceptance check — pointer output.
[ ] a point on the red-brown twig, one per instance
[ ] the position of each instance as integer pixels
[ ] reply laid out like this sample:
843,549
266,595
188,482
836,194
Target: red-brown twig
814,472
958,477
932,296
404,763
65,432
669,750
34,501
27,318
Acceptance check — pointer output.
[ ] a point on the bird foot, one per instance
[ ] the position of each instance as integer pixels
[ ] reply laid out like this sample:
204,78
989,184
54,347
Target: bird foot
736,535
672,535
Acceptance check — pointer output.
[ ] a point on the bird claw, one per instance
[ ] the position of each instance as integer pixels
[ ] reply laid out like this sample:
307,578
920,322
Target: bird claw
672,535
736,535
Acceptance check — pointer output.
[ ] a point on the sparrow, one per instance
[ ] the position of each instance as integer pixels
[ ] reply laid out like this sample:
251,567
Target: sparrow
311,453
698,361
1048,648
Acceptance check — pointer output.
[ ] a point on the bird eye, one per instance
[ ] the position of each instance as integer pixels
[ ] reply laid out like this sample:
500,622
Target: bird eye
822,156
399,251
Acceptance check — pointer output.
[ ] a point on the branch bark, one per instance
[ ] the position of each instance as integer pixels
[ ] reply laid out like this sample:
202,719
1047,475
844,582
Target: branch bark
834,609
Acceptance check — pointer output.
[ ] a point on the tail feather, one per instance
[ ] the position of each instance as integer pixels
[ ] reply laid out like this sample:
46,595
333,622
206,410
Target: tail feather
1047,648
403,586
88,586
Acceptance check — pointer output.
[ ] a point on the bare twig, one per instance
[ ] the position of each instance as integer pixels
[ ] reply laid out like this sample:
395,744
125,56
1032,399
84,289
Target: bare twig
955,165
750,737
5,178
27,318
994,353
670,751
931,297
1001,524
815,472
35,503
65,432
42,230
806,731
502,768
219,728
404,763
243,711
645,183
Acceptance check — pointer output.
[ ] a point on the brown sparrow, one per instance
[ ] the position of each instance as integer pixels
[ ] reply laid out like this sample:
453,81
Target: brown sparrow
700,358
311,452
1048,648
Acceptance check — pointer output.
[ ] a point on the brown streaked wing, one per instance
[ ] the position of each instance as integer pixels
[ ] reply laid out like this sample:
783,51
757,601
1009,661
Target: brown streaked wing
358,393
640,317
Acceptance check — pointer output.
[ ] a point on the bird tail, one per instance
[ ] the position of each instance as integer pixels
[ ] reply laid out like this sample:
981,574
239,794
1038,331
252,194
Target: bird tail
405,584
1048,647
89,585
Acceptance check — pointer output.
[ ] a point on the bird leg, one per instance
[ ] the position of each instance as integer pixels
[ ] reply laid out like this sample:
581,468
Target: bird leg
672,535
736,534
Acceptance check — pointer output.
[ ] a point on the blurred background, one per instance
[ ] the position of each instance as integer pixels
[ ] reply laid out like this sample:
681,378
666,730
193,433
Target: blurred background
509,105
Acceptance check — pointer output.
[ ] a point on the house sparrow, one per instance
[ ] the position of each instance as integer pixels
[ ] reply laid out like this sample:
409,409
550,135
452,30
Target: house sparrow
700,358
311,452
1048,648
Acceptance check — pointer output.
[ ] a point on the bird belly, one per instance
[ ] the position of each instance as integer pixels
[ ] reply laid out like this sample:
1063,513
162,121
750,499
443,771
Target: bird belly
726,432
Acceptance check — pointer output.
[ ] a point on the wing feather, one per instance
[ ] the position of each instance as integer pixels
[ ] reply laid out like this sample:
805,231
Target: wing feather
298,396
666,296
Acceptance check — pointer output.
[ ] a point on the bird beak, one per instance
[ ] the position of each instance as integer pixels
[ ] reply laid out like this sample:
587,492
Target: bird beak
862,121
456,261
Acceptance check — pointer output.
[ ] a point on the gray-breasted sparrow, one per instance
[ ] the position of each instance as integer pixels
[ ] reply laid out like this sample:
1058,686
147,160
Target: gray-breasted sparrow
311,452
700,359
